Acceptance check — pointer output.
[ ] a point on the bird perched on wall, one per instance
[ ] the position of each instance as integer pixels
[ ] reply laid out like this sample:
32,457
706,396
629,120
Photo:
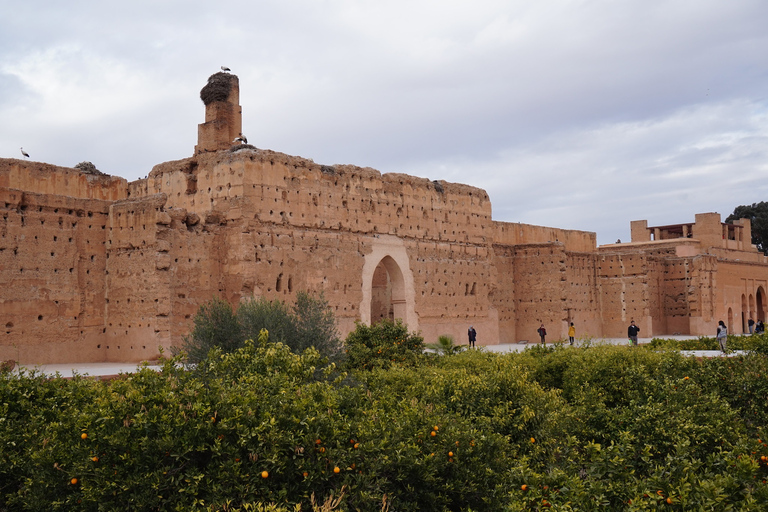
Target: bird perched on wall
242,139
225,68
26,155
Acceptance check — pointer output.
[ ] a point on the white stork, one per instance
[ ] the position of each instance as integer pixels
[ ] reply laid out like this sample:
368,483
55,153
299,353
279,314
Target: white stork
241,139
26,155
225,68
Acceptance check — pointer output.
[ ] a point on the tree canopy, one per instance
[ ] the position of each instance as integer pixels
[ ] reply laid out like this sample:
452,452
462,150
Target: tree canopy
757,213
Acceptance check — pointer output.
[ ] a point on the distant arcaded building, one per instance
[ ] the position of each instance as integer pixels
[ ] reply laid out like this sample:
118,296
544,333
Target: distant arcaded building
93,268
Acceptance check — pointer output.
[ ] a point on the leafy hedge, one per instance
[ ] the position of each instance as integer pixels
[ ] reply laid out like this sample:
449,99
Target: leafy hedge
599,428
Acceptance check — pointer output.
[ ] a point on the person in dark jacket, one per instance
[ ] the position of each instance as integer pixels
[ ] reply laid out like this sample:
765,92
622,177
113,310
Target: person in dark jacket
632,332
543,333
472,334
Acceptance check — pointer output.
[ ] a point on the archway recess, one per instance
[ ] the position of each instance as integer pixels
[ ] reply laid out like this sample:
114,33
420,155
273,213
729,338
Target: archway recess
387,281
760,304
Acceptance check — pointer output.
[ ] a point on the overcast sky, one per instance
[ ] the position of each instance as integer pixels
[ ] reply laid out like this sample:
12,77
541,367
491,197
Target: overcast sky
575,114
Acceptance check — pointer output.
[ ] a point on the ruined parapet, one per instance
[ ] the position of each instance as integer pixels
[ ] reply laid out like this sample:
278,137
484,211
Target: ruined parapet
223,114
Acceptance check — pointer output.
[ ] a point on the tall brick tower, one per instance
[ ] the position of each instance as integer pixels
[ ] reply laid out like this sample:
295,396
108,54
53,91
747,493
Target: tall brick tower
223,114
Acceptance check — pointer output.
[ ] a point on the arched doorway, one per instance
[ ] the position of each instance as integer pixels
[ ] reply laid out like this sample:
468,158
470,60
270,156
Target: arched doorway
387,283
387,291
743,314
760,304
730,320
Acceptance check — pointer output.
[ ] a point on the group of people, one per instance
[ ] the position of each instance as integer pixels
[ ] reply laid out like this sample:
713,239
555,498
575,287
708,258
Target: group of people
632,331
755,327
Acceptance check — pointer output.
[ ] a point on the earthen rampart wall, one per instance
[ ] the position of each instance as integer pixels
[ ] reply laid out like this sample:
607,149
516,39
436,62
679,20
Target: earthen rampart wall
515,233
40,178
52,270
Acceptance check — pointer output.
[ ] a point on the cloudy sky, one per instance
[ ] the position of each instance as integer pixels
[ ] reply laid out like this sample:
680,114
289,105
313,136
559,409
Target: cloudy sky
580,114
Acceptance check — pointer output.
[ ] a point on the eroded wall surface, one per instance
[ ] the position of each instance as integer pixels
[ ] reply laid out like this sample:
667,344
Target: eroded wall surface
94,268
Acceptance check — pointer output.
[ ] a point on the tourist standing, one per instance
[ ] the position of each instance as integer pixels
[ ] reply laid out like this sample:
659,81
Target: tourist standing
543,333
722,335
472,334
632,332
751,324
571,333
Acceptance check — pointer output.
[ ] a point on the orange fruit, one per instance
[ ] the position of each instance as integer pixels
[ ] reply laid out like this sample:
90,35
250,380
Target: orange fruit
322,449
533,440
524,487
435,428
357,445
305,474
669,501
336,470
457,443
318,441
264,474
83,436
95,459
73,481
450,454
433,433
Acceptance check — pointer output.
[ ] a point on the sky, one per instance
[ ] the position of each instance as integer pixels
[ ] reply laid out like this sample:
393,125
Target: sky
577,114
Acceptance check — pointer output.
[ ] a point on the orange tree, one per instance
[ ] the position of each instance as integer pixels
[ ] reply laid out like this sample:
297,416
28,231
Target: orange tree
563,429
382,345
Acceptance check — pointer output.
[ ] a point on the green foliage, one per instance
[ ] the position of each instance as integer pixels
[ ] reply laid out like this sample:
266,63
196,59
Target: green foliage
754,342
602,428
382,345
757,213
445,346
309,323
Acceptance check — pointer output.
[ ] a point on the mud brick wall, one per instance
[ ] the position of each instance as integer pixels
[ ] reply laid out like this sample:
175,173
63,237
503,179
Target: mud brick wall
52,262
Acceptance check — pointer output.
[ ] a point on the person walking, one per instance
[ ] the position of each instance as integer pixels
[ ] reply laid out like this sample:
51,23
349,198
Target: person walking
632,332
472,334
722,335
571,333
543,333
751,324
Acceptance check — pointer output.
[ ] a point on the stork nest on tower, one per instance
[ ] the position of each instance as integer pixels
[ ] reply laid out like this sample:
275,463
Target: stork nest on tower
88,168
217,89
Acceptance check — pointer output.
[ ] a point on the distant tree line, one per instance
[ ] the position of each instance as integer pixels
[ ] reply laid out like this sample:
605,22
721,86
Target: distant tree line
757,213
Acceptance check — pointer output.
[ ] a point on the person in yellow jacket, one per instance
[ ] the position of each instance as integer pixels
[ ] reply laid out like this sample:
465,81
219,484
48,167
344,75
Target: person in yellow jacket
571,333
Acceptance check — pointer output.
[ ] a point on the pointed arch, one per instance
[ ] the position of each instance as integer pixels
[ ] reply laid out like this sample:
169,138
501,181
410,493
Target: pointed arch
387,281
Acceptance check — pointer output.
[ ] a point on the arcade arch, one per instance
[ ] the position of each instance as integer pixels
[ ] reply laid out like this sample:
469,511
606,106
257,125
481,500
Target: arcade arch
388,290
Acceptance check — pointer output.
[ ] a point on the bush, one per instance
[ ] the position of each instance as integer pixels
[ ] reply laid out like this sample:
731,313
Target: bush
606,427
445,346
382,345
309,323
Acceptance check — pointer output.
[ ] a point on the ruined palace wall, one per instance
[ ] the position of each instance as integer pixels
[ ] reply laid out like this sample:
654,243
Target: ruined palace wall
540,291
453,284
162,266
52,262
623,283
502,292
290,225
40,178
278,188
583,301
515,233
737,285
